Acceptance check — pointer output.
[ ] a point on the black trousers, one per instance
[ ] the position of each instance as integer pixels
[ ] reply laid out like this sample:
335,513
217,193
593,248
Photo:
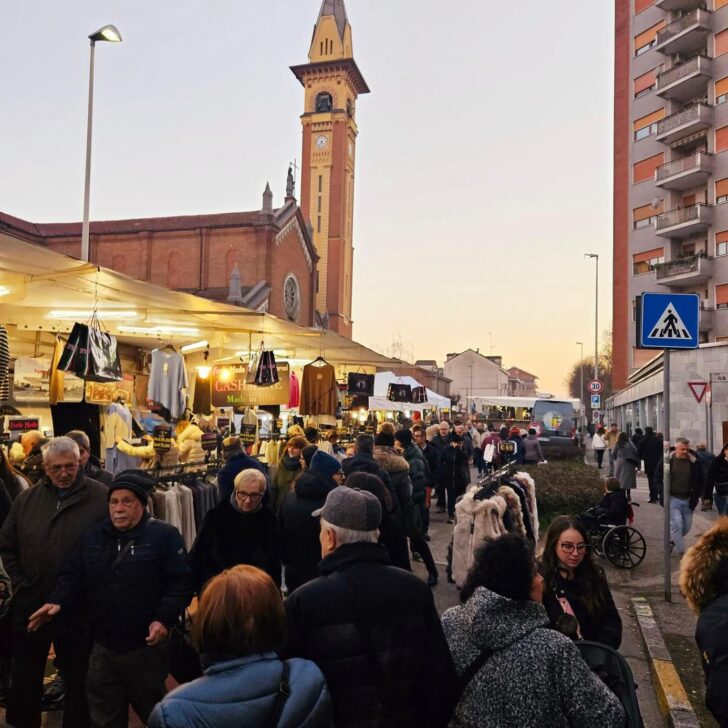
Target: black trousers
419,545
600,457
119,679
30,653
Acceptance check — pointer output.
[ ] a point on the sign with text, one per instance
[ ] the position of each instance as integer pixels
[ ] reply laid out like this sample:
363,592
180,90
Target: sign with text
162,438
596,401
247,434
595,386
229,388
23,424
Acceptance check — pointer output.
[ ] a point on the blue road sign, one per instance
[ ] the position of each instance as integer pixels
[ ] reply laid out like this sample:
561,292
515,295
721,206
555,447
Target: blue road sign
596,401
669,320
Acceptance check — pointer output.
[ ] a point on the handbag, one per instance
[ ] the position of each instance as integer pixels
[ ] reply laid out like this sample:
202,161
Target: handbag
267,371
399,393
102,362
252,371
360,384
184,660
79,334
419,395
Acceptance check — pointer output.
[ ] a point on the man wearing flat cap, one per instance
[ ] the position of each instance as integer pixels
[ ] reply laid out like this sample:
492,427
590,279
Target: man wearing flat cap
371,628
130,578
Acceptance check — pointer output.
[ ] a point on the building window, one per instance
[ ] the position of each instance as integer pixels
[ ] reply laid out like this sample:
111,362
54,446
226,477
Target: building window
319,203
721,295
291,297
324,103
645,169
721,90
321,183
721,248
647,261
721,191
646,222
645,132
645,83
318,224
645,40
721,43
721,243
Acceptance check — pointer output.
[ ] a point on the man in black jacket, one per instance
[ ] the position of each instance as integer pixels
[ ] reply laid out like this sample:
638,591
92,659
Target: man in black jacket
371,628
363,462
129,575
650,452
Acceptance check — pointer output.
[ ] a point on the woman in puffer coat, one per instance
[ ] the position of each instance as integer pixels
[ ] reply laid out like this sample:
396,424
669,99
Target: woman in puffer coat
189,441
396,467
239,629
521,673
704,583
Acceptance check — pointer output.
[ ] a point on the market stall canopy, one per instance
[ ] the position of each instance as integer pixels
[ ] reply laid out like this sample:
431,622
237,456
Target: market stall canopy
379,401
44,290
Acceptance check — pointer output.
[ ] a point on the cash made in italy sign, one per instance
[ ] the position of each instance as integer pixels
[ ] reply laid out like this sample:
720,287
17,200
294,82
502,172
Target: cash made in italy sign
229,388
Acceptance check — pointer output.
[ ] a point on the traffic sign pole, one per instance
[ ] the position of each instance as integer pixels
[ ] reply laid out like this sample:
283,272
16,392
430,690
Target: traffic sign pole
666,475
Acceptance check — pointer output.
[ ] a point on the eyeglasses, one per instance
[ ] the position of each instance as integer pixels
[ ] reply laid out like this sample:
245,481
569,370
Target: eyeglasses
68,467
569,548
248,496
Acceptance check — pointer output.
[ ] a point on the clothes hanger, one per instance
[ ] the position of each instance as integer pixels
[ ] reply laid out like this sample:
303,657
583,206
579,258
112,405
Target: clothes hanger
169,346
319,361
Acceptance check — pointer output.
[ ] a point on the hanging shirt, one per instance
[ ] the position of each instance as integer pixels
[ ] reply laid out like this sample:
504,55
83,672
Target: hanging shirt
167,381
319,392
294,395
202,402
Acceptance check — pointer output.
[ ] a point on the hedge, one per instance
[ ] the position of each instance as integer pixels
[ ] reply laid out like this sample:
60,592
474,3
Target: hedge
565,487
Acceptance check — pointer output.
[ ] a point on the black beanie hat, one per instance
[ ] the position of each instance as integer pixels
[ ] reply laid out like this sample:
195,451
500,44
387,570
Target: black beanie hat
307,453
138,482
384,439
404,437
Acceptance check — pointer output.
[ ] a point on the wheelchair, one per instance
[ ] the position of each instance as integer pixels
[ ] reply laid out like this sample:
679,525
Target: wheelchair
623,546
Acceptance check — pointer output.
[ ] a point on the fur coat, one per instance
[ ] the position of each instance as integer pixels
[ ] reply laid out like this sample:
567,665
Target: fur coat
398,470
529,485
704,583
514,508
476,521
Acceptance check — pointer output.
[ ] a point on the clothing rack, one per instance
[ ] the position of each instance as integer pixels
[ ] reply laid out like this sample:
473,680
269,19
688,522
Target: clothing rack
181,471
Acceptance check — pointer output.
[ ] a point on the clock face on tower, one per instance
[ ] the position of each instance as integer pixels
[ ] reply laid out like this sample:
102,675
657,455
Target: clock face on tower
322,141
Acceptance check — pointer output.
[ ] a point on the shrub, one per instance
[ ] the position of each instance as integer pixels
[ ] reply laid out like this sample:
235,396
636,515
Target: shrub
562,452
564,487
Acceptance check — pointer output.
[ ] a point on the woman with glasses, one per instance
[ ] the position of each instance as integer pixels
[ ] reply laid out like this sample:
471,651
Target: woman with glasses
238,531
576,593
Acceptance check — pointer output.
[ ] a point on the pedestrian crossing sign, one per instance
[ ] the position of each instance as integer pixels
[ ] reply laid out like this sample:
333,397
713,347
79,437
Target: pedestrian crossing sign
668,321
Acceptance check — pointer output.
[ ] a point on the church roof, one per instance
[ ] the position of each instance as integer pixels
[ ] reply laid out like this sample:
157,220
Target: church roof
337,9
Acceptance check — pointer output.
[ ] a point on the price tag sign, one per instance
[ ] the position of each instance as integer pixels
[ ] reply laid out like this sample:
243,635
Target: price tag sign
162,439
209,441
23,424
247,434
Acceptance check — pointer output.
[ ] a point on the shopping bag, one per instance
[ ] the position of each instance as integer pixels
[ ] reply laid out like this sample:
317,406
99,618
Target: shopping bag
399,393
81,360
360,384
68,356
267,372
419,395
253,367
104,364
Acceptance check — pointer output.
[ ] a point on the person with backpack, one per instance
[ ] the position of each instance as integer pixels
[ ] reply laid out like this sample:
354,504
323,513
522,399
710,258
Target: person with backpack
512,669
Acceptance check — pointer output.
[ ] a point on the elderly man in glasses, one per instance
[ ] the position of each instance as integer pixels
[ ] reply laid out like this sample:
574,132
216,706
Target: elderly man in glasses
44,525
238,531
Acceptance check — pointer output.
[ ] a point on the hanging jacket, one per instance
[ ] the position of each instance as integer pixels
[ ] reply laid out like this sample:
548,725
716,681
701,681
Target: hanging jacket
189,443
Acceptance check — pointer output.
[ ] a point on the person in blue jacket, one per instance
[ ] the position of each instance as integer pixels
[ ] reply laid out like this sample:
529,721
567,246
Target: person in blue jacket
239,628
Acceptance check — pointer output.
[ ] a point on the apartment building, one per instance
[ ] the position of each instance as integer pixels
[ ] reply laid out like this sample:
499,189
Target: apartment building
670,164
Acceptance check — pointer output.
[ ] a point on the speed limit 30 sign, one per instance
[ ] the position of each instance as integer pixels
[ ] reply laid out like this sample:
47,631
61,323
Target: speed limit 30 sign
595,386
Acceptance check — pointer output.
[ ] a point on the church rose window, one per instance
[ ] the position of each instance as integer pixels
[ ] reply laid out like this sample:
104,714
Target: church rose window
291,297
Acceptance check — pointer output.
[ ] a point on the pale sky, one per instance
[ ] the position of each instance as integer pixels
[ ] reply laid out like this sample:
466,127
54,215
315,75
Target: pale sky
484,156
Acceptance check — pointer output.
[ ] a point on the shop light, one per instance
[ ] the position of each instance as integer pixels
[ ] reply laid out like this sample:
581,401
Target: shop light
159,330
204,371
194,347
225,375
83,315
4,290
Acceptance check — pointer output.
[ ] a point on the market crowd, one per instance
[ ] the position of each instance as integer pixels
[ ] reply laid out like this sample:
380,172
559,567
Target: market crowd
296,605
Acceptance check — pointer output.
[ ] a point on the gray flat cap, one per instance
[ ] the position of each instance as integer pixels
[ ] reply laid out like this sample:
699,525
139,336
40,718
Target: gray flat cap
357,510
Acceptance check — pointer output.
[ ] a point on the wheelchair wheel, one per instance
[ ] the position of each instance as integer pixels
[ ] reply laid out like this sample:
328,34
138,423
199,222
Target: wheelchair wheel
624,547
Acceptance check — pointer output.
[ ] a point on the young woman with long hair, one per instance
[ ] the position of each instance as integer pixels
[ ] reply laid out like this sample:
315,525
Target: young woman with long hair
576,587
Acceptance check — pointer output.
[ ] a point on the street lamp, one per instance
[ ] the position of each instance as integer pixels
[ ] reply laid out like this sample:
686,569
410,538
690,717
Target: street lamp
596,315
110,34
581,386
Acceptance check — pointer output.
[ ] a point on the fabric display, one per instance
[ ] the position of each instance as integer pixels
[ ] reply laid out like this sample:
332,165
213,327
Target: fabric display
360,384
503,504
55,381
319,391
167,381
294,393
116,423
399,393
4,365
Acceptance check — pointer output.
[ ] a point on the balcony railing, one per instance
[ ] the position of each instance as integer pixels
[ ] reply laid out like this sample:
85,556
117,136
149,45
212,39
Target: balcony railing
678,165
684,116
680,71
692,213
681,266
677,26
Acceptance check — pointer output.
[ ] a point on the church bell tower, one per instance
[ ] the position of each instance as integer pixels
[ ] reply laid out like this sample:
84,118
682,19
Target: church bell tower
332,83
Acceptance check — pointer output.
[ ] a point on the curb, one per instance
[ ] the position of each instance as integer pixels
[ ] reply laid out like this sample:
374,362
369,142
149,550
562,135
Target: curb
671,694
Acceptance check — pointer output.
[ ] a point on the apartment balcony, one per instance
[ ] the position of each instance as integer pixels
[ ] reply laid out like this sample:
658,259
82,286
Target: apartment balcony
684,221
684,272
685,81
684,123
672,5
707,318
685,173
685,35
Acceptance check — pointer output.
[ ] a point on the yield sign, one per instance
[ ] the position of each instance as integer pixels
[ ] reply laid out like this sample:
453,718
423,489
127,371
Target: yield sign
698,389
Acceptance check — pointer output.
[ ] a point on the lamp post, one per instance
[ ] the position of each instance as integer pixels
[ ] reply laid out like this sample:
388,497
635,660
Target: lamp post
581,385
111,34
596,314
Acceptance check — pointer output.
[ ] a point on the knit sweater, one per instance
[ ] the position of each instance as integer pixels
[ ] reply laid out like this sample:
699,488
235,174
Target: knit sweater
536,676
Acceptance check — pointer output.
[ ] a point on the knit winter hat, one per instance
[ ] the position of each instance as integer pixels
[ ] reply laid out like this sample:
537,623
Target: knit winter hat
307,453
404,437
232,444
384,439
138,482
325,464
